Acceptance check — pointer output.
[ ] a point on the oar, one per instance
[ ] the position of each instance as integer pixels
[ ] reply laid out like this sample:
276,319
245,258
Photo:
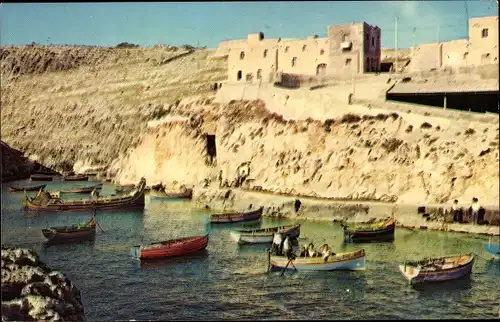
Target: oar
289,261
93,215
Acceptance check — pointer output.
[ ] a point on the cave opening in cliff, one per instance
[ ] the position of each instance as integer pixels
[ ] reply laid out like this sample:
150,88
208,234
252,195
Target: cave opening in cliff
211,147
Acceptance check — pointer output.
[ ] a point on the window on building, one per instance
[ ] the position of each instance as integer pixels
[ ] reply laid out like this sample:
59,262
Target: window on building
249,77
304,48
239,75
348,62
286,49
484,33
373,41
259,74
294,61
322,51
265,53
345,37
242,55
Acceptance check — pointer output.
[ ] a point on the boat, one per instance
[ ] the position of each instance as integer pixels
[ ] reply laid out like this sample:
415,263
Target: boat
78,177
349,261
234,217
44,201
27,188
41,177
63,234
379,231
120,188
492,249
186,194
438,269
170,248
87,189
264,235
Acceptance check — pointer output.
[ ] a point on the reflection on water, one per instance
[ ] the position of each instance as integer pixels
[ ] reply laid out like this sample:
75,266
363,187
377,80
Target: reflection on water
230,281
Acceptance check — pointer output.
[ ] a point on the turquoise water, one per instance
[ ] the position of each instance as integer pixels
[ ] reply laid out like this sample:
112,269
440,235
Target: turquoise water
228,281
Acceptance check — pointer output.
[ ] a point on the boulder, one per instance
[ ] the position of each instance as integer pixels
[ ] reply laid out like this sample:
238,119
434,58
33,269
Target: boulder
31,291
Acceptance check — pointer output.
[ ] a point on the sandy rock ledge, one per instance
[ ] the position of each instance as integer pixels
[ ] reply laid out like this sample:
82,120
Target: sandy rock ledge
31,291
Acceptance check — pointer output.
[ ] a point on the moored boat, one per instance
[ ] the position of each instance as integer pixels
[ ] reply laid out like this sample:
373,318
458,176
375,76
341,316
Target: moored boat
379,231
264,235
155,194
78,177
87,189
492,249
74,233
44,201
41,177
13,188
235,217
438,269
170,248
349,261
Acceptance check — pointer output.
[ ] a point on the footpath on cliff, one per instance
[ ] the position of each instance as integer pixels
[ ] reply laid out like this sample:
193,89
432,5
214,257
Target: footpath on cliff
150,112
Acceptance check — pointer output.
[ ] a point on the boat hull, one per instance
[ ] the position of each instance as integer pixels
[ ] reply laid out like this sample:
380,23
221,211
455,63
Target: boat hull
133,201
159,195
492,249
29,188
360,236
353,261
237,217
152,253
84,189
263,238
417,276
76,178
41,177
69,237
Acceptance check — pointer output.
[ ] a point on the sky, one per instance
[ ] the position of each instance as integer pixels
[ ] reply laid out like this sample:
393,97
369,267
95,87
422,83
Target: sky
208,23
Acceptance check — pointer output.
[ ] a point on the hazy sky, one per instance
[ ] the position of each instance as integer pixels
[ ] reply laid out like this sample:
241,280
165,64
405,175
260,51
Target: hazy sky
207,23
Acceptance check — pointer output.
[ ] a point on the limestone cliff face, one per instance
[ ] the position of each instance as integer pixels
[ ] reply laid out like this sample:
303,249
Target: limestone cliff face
357,156
86,105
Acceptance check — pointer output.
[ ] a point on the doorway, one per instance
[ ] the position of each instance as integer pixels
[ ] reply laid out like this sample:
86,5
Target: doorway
211,147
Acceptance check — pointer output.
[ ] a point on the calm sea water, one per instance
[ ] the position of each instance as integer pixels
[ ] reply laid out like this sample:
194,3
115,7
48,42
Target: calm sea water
230,282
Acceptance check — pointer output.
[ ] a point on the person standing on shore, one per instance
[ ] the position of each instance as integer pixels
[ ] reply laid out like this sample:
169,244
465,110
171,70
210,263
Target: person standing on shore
475,210
287,247
454,210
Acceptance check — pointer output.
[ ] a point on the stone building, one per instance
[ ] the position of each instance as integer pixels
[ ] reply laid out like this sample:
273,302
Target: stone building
481,48
348,49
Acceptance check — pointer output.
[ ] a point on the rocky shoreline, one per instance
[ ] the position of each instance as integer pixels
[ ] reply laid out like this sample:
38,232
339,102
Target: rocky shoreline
278,206
31,291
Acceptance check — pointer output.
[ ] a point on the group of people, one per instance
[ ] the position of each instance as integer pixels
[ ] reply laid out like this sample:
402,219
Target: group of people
475,210
286,248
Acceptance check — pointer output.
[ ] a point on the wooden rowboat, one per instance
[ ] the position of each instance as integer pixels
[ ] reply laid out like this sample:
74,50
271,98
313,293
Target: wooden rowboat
87,189
379,231
438,269
40,177
71,233
27,188
264,235
170,248
78,177
350,261
235,217
44,201
155,194
492,249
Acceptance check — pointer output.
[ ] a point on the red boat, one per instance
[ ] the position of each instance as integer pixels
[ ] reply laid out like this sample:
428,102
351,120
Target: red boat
170,248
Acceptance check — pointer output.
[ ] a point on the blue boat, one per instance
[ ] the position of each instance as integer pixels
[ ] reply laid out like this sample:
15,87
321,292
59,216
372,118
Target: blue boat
493,249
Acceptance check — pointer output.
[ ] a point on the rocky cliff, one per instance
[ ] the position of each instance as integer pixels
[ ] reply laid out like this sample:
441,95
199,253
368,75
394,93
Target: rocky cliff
370,156
31,291
146,114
